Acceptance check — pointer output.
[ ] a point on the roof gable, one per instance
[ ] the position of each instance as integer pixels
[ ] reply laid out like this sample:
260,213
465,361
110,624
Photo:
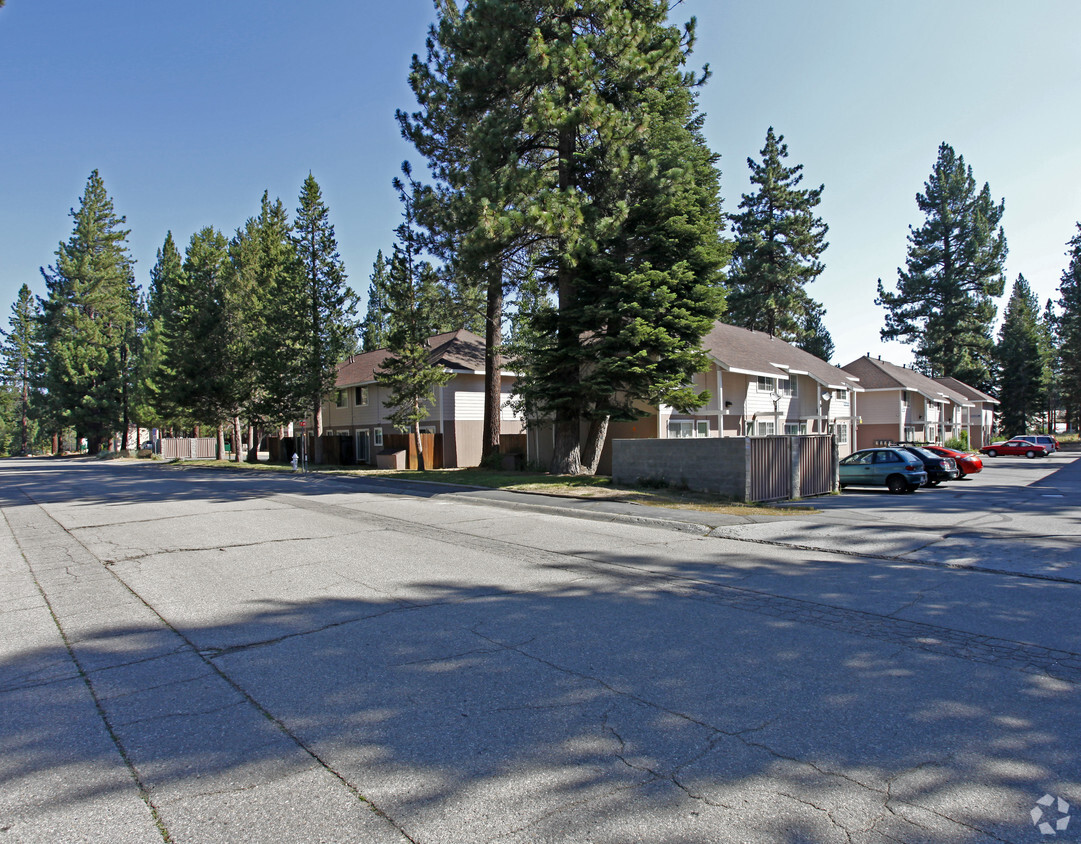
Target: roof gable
757,353
878,374
460,350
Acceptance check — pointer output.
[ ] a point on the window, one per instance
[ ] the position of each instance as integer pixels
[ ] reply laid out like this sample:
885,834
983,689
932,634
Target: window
765,385
685,429
786,386
339,398
377,437
679,429
887,457
841,395
840,431
792,429
361,397
930,433
765,429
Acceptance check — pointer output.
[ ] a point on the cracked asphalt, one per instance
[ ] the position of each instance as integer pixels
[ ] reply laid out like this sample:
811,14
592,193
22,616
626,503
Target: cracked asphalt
198,656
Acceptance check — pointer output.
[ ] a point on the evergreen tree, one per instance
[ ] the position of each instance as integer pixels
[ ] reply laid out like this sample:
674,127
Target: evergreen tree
943,303
198,350
269,316
779,242
154,400
19,357
1020,358
329,301
1049,356
87,319
531,118
376,323
1069,333
408,372
815,337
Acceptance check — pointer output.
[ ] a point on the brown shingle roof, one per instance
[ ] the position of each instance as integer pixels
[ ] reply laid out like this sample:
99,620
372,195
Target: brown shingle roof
964,389
454,350
878,374
756,353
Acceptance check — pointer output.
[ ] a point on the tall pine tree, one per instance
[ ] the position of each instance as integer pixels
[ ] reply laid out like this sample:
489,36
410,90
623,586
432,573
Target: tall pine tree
1069,333
198,354
943,304
19,357
1020,358
87,319
408,372
779,242
376,323
328,301
531,118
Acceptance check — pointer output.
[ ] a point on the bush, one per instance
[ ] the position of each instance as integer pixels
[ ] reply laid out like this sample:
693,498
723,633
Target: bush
144,454
960,442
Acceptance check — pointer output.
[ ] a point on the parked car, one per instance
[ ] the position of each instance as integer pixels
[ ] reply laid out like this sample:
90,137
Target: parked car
893,468
1050,443
967,464
938,468
1014,447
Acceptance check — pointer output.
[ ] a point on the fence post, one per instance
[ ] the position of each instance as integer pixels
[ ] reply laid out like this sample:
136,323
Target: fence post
794,467
747,469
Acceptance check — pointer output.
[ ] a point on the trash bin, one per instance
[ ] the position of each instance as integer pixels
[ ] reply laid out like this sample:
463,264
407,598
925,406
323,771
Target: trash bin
390,459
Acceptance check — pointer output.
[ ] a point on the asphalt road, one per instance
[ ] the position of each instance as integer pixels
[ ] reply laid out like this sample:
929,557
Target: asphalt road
200,656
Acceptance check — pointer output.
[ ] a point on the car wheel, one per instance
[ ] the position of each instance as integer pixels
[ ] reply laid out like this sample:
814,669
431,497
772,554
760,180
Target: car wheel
896,484
1030,454
992,453
912,488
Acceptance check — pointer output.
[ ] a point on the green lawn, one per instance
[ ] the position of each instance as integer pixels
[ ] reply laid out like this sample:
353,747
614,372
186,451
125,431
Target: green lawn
576,486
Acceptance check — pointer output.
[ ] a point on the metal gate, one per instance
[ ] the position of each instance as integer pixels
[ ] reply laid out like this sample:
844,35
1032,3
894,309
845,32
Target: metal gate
769,468
815,464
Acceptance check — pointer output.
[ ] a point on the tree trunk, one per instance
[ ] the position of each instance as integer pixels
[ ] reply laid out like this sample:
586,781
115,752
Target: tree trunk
236,439
567,453
493,365
220,453
598,433
317,427
254,437
420,446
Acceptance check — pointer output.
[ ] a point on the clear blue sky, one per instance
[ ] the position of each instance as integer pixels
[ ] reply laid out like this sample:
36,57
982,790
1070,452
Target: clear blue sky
190,111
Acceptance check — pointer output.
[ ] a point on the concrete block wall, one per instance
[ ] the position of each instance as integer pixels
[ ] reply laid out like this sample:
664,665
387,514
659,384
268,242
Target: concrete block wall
709,464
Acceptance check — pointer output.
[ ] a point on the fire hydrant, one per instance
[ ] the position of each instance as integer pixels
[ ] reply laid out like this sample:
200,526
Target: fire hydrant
294,461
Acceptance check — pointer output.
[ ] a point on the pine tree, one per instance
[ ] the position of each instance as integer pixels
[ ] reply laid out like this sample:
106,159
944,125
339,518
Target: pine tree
1049,358
19,356
779,242
531,114
154,400
1019,354
408,372
943,304
1069,333
86,322
198,329
269,314
376,323
329,301
815,337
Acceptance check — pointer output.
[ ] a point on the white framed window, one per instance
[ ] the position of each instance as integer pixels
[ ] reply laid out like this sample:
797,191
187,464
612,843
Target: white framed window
792,429
360,398
339,398
679,429
377,437
840,431
766,385
931,433
766,429
786,387
702,428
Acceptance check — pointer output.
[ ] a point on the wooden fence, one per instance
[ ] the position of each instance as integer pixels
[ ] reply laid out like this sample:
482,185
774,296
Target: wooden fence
431,443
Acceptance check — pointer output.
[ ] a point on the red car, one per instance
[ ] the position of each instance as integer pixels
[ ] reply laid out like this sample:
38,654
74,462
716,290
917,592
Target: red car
968,464
1028,449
